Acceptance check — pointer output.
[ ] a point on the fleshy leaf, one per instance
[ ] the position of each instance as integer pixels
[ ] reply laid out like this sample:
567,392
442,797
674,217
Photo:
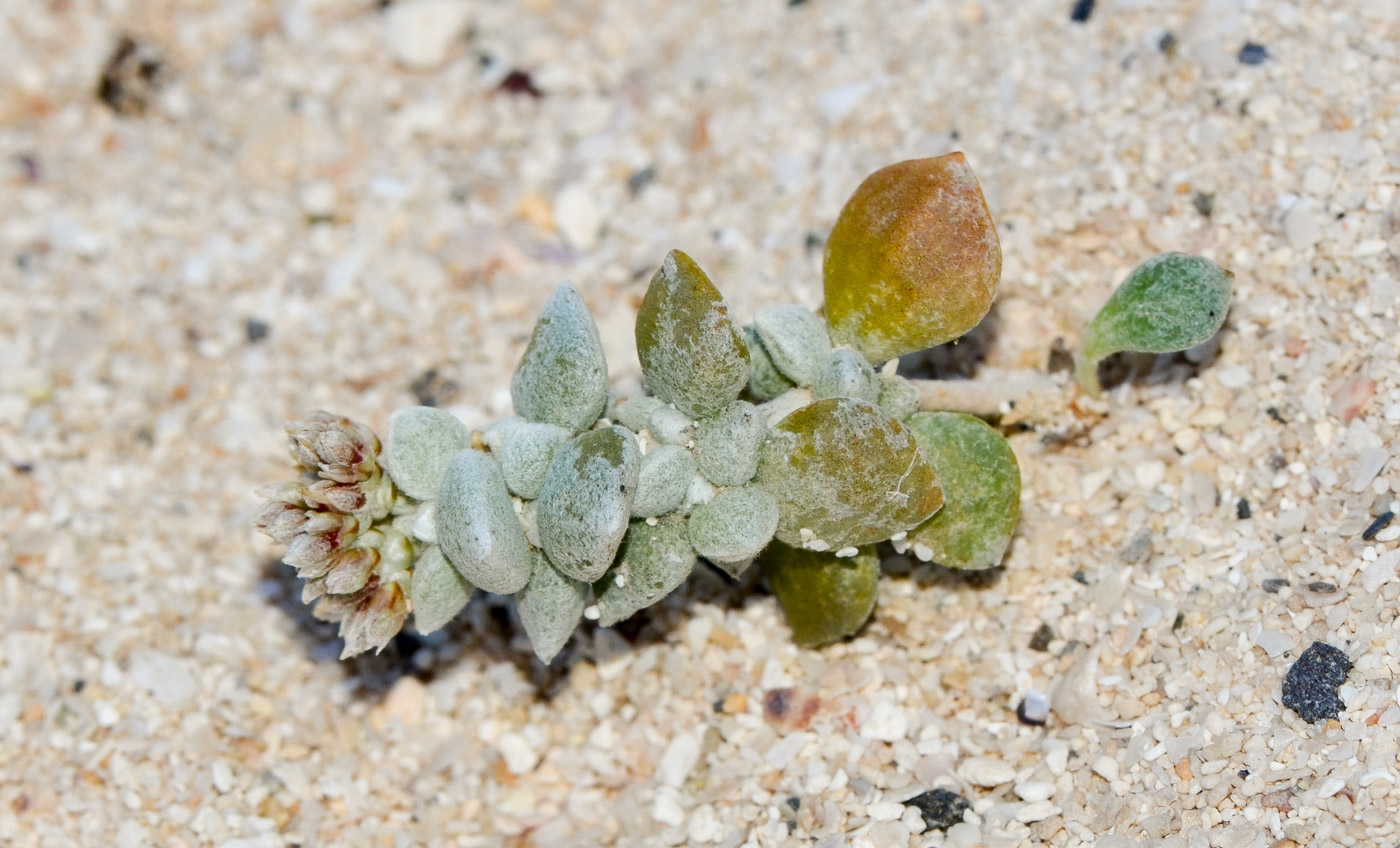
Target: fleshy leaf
726,446
825,597
690,348
913,260
438,591
730,529
421,441
477,527
765,380
526,455
654,561
586,501
796,341
666,474
845,473
847,374
898,396
982,484
550,607
1171,302
562,378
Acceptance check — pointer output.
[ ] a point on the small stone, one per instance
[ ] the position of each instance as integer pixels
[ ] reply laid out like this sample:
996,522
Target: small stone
578,218
317,200
1274,643
887,723
885,811
1253,54
1310,686
1041,638
1106,767
986,772
666,807
1032,791
1037,811
420,33
940,808
678,760
1273,585
1137,550
167,679
1034,709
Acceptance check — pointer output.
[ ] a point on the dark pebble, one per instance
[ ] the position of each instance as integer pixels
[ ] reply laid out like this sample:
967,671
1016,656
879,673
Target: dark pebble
519,82
1060,358
1273,584
795,803
1322,587
1167,43
1310,686
1253,54
1204,203
1377,526
1026,718
1041,638
1081,577
256,330
431,388
1081,11
1242,510
640,178
940,808
1137,550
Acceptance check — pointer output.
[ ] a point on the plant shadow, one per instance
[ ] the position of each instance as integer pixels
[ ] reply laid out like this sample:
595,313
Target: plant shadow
959,359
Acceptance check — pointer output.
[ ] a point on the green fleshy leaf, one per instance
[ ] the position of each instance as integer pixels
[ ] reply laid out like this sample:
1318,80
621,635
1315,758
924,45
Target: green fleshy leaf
847,374
438,591
665,476
726,446
562,378
634,412
421,441
1171,302
477,527
550,607
845,473
982,484
825,597
913,260
731,528
898,396
765,380
690,348
796,341
586,501
526,455
654,561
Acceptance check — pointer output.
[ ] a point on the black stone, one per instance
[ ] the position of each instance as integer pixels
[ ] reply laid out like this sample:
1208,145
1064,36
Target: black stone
1081,11
940,808
1204,203
256,330
1253,54
1273,584
1377,526
1242,510
1310,686
1041,638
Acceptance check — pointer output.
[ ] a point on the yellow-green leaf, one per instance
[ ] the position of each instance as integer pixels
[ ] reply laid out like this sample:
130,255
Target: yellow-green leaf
913,260
825,597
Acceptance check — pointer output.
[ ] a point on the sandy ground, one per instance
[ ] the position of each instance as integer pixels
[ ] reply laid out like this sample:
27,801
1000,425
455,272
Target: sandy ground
251,209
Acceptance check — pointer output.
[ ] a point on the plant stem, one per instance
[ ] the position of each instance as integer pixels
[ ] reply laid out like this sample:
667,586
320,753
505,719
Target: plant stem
1031,394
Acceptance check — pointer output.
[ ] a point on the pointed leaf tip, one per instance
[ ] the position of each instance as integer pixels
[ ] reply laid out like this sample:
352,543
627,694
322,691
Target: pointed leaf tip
913,260
1171,302
562,377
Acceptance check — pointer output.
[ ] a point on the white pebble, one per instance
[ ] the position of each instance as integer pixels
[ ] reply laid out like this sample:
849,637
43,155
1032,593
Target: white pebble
165,677
1380,572
887,722
885,811
836,103
785,750
678,760
986,772
1057,760
1234,377
1274,642
1037,811
520,758
666,807
1150,474
1301,226
1331,786
317,199
578,218
1034,790
421,33
222,776
1106,767
964,835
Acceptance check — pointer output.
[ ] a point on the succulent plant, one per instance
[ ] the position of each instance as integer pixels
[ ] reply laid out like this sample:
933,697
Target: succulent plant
790,441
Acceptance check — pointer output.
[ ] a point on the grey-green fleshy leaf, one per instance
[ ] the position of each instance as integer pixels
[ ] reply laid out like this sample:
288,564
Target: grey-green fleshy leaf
981,484
898,396
765,380
671,426
845,473
421,441
634,412
726,445
438,592
690,348
655,559
477,527
796,340
823,596
562,378
665,475
498,432
526,455
847,374
734,526
1171,302
586,501
550,607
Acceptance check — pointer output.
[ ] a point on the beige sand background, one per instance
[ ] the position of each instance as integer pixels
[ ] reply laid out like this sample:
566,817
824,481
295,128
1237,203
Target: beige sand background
281,207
